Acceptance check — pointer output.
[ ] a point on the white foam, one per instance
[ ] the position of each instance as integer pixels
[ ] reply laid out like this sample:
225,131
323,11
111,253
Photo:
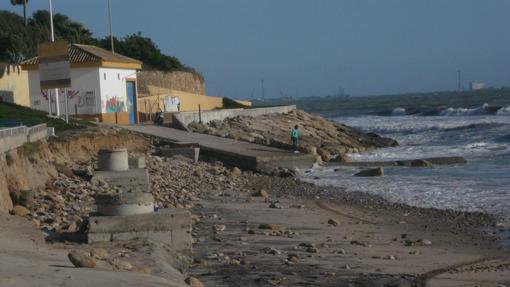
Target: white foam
399,112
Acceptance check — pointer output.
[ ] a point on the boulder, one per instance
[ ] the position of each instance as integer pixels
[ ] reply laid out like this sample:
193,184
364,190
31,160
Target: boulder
371,172
81,259
342,158
20,211
193,282
421,163
236,172
99,253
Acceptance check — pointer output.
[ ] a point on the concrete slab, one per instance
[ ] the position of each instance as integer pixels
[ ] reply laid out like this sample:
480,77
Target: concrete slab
172,226
133,179
188,152
242,154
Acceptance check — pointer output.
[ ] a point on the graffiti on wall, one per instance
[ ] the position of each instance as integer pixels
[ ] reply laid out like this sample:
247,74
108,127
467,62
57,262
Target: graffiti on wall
114,105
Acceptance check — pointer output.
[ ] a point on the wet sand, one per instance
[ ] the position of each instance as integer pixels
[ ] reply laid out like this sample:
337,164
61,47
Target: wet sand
367,242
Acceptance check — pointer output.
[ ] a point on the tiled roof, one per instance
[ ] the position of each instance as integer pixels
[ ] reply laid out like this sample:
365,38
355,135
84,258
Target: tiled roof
89,54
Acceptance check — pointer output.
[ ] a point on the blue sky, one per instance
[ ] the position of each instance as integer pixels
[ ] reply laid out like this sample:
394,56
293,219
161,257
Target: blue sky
313,47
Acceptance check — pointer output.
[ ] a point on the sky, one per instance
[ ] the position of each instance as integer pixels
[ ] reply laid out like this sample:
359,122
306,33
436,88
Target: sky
315,47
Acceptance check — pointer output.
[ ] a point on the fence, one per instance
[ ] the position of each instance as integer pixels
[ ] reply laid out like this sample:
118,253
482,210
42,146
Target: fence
11,138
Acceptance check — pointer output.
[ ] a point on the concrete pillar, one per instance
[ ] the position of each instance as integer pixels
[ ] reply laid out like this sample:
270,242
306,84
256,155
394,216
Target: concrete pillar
125,203
113,160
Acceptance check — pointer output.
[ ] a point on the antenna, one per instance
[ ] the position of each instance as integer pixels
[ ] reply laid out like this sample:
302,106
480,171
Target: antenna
263,91
459,81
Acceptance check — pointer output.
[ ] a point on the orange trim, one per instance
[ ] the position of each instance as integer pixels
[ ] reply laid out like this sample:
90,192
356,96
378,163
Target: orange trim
104,64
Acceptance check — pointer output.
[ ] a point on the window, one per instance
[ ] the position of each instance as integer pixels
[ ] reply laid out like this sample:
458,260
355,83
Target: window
104,75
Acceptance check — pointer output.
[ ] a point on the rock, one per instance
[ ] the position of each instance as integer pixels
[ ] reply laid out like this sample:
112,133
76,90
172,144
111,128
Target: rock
219,227
333,222
271,250
446,160
121,264
371,172
81,259
193,282
421,163
325,155
342,158
261,193
424,242
20,211
236,172
99,253
270,226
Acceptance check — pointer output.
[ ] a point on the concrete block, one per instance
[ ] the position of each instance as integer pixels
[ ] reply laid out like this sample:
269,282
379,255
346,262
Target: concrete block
98,237
137,162
113,160
125,203
158,221
164,236
133,179
189,152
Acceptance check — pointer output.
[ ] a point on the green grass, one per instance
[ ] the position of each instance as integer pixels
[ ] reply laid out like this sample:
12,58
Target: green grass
30,117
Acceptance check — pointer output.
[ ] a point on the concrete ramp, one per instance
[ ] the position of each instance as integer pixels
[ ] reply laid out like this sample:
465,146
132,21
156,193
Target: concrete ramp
238,153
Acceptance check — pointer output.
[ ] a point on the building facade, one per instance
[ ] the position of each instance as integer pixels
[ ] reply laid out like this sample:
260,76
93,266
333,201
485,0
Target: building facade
103,86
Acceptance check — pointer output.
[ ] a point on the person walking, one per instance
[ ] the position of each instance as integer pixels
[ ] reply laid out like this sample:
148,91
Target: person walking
294,135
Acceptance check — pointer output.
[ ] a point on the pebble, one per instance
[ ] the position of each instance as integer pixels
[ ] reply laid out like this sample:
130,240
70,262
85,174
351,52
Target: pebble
270,226
333,222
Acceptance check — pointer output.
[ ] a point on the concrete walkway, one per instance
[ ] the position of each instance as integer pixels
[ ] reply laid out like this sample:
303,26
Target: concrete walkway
239,153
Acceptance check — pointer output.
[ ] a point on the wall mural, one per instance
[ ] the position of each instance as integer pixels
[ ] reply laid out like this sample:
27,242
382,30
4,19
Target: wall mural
114,105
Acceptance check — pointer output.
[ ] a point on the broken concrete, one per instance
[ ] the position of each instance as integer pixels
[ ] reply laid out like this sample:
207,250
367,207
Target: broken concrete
189,152
168,225
137,162
129,180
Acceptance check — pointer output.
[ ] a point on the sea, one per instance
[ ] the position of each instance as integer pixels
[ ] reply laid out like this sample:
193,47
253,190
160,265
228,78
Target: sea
480,134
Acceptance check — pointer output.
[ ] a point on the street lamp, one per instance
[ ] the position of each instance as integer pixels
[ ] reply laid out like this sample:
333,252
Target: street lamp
24,3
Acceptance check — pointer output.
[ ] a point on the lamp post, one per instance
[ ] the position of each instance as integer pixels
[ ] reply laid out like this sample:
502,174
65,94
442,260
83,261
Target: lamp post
110,24
57,102
24,3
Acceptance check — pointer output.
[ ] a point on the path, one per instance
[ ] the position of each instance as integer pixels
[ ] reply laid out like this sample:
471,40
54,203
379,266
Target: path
243,154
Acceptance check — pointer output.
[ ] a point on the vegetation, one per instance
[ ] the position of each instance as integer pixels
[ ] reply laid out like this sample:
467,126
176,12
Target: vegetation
29,117
18,43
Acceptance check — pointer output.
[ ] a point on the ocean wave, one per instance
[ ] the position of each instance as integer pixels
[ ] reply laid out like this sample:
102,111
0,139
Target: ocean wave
399,112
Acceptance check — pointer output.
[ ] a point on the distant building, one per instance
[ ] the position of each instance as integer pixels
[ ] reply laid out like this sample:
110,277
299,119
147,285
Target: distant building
103,85
477,86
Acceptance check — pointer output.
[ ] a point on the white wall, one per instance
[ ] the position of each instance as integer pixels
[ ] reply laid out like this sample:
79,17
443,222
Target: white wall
113,88
90,93
83,94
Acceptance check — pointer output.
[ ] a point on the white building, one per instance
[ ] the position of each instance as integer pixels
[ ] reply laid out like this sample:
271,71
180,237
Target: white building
477,86
103,85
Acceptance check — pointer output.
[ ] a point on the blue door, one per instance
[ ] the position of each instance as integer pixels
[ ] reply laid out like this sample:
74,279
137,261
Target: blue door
131,91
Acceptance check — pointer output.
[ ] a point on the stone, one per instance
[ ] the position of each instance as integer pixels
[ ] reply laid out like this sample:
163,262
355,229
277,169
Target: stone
121,264
371,172
236,172
293,258
333,222
20,211
261,193
271,250
421,163
193,282
81,259
219,227
424,242
99,253
341,158
270,226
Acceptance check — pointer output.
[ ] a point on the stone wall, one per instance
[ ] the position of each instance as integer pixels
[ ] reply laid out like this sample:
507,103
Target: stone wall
185,118
182,81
